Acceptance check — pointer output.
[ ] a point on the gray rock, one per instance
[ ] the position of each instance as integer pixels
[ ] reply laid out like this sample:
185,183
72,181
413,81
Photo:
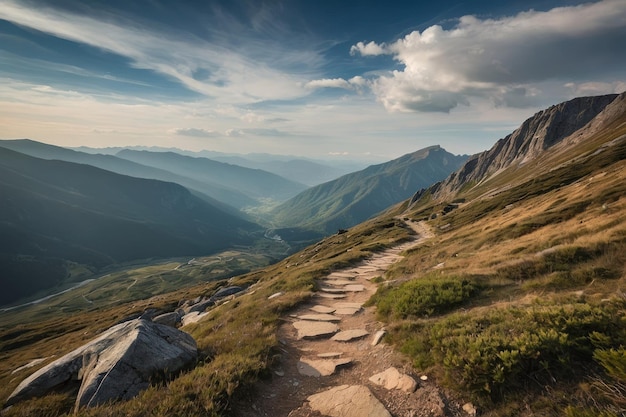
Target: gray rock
319,317
378,337
115,366
321,367
314,329
201,306
394,379
323,309
348,401
168,319
349,335
225,292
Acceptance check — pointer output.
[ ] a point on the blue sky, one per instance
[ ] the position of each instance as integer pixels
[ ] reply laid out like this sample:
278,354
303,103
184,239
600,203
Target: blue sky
359,79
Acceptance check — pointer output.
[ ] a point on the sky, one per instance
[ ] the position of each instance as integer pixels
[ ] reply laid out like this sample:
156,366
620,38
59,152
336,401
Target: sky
364,80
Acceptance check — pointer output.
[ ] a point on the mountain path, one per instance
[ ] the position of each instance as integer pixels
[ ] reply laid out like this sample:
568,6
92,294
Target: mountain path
331,346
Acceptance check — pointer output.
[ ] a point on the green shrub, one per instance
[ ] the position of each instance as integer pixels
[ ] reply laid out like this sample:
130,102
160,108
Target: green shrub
507,349
423,297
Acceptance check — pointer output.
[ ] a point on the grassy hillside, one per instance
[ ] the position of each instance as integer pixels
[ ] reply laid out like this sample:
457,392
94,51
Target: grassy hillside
55,214
355,197
518,303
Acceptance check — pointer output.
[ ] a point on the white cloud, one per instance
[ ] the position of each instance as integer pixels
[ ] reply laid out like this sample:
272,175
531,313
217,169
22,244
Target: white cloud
194,132
329,83
501,59
370,49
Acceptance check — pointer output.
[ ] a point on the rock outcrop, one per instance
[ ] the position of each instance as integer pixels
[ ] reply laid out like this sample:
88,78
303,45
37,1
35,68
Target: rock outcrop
537,134
117,365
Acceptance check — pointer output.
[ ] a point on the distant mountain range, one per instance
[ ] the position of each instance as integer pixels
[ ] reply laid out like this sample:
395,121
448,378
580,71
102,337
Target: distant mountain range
254,183
302,170
218,183
355,197
55,213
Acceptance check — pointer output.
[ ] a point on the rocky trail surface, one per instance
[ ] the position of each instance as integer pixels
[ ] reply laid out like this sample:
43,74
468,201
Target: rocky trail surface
333,361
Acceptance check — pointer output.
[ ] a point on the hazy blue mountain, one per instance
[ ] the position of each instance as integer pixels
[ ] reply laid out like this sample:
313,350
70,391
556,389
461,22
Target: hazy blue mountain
355,197
53,213
255,183
300,170
308,171
214,193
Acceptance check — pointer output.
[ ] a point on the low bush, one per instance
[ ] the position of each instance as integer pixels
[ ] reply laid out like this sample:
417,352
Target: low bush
423,297
507,349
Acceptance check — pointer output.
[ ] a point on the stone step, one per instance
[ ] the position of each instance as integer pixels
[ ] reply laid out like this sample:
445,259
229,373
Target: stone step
319,317
349,335
331,296
321,367
347,401
323,309
314,329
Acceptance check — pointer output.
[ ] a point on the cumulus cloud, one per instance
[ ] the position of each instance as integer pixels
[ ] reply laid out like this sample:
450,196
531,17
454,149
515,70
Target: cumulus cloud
502,59
194,132
369,49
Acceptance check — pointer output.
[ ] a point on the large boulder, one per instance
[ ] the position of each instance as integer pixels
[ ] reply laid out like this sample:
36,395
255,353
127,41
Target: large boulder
117,365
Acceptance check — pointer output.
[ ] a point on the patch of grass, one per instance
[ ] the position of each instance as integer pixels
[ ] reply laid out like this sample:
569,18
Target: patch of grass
423,297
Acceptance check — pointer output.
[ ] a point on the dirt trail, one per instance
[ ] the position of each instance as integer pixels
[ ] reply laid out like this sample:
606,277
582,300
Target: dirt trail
311,363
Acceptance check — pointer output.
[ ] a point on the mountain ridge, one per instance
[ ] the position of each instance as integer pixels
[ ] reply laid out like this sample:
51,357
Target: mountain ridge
535,136
354,197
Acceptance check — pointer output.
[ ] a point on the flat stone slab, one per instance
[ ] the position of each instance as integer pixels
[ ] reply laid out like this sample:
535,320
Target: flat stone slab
354,288
319,317
327,355
333,290
338,282
331,296
341,275
323,309
347,311
321,367
313,329
348,401
394,379
344,304
349,335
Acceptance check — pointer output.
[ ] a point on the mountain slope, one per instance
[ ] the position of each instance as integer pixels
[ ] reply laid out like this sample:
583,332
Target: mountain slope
54,212
255,183
527,146
355,197
213,193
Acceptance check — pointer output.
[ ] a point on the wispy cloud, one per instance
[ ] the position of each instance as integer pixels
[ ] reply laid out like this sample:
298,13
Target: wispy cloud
232,76
504,59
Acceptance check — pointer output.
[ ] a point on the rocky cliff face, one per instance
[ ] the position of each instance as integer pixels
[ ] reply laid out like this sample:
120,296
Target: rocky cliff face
541,132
